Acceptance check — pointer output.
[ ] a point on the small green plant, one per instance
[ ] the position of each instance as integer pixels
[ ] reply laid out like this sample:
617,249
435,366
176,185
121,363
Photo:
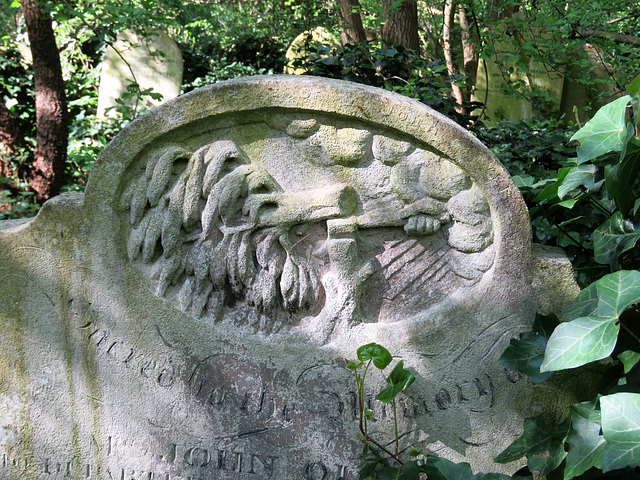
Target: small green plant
399,380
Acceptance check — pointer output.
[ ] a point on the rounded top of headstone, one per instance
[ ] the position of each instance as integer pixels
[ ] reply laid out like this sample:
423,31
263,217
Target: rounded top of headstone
287,200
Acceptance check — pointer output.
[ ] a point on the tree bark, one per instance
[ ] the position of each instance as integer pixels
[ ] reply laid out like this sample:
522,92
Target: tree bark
401,25
447,47
11,139
52,128
351,28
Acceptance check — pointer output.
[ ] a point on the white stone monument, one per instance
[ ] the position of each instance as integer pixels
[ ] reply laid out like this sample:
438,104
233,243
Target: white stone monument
153,61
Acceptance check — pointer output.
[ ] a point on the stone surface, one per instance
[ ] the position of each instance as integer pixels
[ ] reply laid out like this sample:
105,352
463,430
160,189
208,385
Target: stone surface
153,61
189,315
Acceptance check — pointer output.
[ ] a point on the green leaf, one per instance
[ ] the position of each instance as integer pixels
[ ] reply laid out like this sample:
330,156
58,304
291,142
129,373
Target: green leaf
551,191
399,379
621,176
604,132
614,237
408,471
629,360
585,444
621,430
536,439
633,88
546,456
353,365
526,355
607,297
438,468
580,341
579,175
377,353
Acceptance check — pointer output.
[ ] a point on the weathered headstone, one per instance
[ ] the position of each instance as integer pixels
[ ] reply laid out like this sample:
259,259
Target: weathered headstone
189,315
153,61
498,74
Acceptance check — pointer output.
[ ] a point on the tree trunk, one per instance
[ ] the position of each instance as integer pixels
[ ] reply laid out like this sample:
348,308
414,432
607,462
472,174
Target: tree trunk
11,139
401,25
469,43
351,28
447,46
52,128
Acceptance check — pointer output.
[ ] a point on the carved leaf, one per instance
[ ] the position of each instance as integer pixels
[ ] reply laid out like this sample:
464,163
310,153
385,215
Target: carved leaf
168,269
200,297
162,173
136,238
233,271
303,291
173,219
185,295
289,283
193,188
246,268
138,201
218,265
152,233
233,186
264,292
201,266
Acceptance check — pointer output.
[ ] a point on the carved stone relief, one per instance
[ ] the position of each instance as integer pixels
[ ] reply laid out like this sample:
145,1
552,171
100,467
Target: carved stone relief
301,223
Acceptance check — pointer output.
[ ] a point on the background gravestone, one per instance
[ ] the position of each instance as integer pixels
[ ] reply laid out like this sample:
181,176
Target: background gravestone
155,61
189,315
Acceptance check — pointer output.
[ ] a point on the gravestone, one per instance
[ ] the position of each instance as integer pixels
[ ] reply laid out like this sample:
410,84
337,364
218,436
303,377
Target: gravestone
505,67
153,61
188,316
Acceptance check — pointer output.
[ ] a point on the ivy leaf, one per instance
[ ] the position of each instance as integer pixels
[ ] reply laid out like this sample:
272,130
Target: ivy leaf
621,430
438,468
604,132
579,342
408,471
586,444
399,379
526,355
621,176
579,175
377,353
546,456
536,440
614,237
550,192
629,359
609,296
633,88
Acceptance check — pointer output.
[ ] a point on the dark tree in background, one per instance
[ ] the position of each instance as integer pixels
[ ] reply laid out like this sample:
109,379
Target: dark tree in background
52,129
401,25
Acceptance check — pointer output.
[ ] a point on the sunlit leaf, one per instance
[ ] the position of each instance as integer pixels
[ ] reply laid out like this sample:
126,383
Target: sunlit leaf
579,342
586,444
399,380
604,132
579,175
377,353
621,430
